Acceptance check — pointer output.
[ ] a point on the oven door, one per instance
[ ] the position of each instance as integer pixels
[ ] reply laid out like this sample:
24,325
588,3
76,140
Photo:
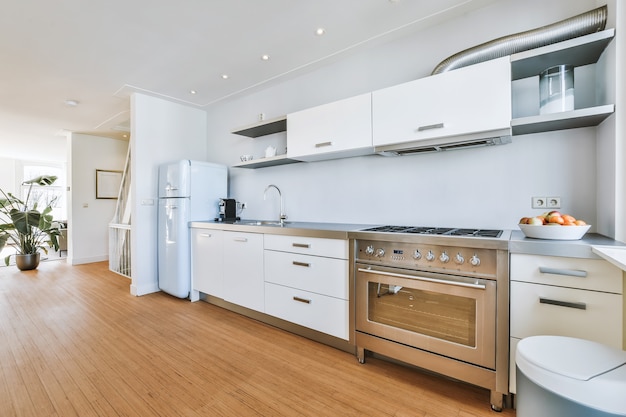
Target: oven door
447,315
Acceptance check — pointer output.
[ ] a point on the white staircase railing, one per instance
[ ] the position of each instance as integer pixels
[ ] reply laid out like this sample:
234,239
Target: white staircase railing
119,227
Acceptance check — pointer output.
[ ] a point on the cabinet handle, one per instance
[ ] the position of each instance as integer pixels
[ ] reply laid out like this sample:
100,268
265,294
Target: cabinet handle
240,239
580,306
557,271
323,144
301,245
301,300
296,263
206,235
430,127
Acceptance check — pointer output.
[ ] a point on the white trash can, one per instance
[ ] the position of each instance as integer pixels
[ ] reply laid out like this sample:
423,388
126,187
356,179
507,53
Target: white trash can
568,377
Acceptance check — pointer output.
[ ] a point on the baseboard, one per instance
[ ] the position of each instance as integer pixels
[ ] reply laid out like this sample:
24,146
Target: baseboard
89,260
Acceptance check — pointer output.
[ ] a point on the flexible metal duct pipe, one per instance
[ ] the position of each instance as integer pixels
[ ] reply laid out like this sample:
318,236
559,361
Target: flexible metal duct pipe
582,24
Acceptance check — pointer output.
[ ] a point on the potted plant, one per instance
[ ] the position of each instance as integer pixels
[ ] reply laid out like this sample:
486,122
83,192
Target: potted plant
25,227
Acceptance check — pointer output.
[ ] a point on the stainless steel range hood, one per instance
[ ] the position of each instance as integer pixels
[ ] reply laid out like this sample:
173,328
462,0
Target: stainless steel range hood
499,137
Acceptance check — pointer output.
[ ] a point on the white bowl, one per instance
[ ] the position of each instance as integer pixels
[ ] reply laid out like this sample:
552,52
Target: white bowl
554,232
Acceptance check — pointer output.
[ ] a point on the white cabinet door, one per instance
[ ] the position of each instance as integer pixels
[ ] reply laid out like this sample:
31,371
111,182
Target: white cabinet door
243,269
468,100
207,262
339,129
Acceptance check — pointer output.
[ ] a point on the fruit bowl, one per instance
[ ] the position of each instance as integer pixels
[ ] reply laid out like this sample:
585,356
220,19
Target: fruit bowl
554,232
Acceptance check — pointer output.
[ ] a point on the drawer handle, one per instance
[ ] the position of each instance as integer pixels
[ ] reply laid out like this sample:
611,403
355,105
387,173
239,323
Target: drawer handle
580,306
301,300
323,144
430,127
206,235
296,263
557,271
240,239
301,245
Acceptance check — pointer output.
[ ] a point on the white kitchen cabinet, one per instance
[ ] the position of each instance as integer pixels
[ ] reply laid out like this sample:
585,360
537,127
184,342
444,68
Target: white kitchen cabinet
334,130
564,297
306,282
592,103
466,101
243,269
207,261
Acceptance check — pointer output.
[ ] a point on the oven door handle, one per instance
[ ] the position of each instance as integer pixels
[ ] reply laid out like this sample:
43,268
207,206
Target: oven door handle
435,280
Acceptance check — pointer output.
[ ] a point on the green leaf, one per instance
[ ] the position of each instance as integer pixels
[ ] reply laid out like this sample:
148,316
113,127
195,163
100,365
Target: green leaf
42,180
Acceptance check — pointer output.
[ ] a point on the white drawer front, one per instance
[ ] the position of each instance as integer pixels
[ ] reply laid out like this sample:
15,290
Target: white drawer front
591,274
327,276
333,248
318,312
601,321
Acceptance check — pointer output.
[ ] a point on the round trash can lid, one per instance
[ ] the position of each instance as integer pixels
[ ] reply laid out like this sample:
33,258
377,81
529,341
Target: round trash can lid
570,357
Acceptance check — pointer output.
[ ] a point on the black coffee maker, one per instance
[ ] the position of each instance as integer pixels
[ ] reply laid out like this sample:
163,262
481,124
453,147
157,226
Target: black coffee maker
228,210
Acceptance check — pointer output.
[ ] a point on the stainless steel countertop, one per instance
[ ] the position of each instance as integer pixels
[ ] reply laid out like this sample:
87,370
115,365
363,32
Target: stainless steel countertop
303,229
568,248
518,243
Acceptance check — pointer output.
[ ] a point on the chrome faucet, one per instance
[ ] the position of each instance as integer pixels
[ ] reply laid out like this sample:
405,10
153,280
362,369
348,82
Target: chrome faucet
282,216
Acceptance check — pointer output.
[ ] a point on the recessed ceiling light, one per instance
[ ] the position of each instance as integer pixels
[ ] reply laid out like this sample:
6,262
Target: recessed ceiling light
265,57
224,76
320,31
192,91
72,103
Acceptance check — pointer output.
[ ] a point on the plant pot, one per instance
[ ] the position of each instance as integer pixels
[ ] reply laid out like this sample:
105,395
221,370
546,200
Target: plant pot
27,262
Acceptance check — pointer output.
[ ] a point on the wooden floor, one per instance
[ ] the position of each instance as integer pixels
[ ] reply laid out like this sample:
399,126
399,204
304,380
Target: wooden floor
74,342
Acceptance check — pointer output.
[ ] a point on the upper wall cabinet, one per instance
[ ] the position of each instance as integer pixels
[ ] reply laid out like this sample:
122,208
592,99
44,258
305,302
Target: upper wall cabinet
335,130
473,101
591,83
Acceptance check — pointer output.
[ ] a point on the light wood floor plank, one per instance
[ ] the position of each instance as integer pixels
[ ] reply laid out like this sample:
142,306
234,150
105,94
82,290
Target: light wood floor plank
76,343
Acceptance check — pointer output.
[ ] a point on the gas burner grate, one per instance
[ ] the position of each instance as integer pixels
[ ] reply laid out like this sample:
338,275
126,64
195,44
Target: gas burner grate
436,231
477,233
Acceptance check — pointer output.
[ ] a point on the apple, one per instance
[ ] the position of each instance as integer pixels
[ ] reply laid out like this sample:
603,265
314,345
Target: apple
537,221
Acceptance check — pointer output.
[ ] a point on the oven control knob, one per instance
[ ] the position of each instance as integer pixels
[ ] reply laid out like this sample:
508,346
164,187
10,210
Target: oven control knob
430,256
459,259
417,254
369,250
475,260
444,258
380,252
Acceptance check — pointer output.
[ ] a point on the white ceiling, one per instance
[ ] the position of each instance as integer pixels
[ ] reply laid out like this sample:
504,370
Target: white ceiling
97,52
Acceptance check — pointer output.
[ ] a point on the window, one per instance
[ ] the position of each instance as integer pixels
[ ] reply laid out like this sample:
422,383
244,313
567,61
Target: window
46,194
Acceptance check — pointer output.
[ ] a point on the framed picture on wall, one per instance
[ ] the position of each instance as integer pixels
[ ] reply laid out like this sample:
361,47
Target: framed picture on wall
108,183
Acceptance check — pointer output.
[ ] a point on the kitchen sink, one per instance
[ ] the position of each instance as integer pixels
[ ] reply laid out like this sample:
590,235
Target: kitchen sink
264,223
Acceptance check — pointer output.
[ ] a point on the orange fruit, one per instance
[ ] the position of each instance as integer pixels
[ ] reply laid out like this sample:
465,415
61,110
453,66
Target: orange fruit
556,219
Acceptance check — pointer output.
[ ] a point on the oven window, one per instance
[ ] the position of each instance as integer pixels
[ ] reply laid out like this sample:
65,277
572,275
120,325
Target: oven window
443,316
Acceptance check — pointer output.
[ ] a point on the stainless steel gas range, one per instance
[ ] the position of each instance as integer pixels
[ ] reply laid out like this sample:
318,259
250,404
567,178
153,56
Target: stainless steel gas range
436,298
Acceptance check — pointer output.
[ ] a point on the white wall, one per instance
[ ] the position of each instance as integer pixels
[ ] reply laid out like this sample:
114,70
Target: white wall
484,187
89,217
7,175
161,132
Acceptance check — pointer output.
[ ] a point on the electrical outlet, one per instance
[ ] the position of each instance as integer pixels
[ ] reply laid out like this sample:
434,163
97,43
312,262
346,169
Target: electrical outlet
539,202
553,202
243,205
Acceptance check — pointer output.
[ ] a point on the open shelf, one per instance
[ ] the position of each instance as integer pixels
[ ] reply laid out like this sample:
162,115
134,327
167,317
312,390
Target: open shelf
266,162
579,51
263,128
590,116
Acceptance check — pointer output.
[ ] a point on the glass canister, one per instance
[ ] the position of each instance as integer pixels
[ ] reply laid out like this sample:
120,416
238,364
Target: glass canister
556,89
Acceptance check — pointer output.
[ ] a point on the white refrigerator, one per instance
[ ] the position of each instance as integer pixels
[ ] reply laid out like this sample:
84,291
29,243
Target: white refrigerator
188,191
